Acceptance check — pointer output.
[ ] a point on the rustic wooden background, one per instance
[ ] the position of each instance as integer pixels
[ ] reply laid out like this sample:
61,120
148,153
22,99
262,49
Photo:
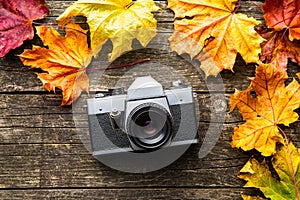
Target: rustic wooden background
42,157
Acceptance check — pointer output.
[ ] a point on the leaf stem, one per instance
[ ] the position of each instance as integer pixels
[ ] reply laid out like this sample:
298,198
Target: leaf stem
41,24
291,163
237,7
120,66
286,29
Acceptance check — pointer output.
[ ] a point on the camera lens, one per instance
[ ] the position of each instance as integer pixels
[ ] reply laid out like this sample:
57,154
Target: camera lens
149,126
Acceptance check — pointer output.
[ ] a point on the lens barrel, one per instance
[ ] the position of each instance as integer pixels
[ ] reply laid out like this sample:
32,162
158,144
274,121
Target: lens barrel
149,126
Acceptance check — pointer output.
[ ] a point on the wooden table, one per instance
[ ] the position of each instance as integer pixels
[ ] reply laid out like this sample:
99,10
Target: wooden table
42,157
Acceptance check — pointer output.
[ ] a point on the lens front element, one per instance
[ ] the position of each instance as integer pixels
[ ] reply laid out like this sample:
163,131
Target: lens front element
149,126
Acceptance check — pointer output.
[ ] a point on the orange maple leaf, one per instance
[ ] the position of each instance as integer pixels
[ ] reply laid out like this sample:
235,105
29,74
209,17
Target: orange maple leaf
283,14
274,104
65,61
212,32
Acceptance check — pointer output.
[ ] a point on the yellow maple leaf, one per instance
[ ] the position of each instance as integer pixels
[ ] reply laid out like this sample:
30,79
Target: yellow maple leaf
286,163
118,20
65,61
212,32
274,104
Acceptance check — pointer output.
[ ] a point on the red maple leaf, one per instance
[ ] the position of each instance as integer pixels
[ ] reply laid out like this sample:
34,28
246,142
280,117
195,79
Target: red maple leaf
282,14
16,19
282,33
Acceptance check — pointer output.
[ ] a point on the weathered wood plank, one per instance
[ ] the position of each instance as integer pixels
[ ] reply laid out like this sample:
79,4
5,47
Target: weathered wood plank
10,69
160,59
44,111
24,117
22,171
61,135
66,165
121,193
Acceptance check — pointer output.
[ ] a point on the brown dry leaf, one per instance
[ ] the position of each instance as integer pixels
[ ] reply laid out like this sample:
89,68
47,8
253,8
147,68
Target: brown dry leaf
65,61
212,32
274,104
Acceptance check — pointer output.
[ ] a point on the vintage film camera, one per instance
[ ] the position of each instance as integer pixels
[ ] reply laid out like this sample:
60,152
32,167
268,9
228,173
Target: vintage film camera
145,119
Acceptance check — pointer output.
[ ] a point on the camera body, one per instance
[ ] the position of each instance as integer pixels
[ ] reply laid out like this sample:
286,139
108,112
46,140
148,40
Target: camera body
144,119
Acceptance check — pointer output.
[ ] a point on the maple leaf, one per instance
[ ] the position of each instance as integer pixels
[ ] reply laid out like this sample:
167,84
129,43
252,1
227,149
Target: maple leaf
120,21
212,32
278,48
283,14
16,19
282,32
260,176
274,104
65,61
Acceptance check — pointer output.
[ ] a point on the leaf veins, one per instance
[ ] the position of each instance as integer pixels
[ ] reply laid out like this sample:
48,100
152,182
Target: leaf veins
213,33
274,104
65,61
16,19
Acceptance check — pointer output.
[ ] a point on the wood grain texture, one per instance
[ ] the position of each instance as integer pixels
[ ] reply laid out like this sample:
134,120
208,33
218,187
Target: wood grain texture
121,193
42,155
